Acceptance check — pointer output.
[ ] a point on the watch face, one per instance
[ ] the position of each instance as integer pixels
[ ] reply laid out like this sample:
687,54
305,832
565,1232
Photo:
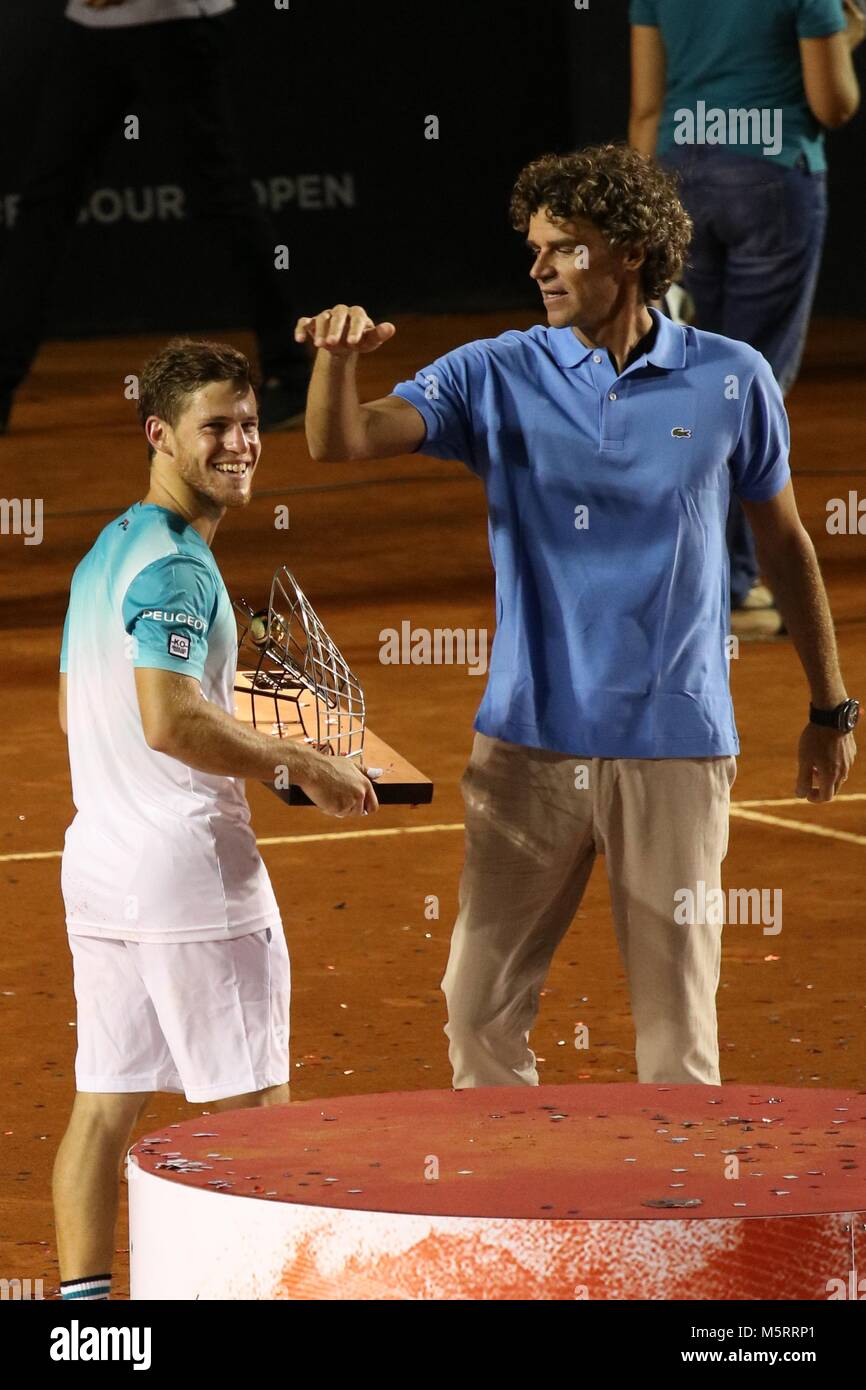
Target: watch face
852,714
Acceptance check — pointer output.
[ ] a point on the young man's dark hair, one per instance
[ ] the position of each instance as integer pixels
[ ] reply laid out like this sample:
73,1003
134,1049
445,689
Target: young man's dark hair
628,197
180,369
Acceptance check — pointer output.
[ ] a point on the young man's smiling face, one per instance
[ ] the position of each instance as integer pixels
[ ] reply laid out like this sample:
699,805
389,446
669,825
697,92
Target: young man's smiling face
214,446
582,278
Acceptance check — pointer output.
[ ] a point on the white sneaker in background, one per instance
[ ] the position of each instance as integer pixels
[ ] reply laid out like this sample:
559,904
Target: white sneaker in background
759,596
753,624
680,305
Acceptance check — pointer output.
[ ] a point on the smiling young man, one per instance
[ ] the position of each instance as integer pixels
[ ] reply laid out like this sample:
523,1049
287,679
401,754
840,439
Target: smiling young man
180,962
609,441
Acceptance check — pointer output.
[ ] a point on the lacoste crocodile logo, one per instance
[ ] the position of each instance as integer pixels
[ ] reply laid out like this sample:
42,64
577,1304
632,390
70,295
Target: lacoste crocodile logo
679,433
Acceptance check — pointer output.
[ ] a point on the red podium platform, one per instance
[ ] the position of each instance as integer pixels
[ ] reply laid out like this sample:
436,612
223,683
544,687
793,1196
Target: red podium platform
617,1191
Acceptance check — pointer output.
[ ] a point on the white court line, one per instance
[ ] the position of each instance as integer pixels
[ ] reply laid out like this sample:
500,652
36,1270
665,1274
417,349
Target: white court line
801,800
42,854
806,827
738,808
283,839
357,834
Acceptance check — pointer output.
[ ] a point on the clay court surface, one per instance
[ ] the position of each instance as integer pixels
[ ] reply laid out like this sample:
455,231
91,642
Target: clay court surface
374,545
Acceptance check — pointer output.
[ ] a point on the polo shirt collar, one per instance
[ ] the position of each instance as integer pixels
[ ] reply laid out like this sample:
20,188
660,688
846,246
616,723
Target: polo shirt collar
668,350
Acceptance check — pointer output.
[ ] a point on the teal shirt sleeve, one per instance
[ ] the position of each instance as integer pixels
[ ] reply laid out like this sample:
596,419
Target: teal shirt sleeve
167,610
644,12
759,463
442,393
64,646
818,18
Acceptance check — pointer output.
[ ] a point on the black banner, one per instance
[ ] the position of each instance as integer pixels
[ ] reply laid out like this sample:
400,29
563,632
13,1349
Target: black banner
382,138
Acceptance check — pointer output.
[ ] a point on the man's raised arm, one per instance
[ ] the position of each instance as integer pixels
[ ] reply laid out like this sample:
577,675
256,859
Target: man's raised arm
338,427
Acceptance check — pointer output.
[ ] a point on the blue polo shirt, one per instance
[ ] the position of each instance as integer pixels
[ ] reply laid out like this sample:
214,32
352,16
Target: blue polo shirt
608,495
739,54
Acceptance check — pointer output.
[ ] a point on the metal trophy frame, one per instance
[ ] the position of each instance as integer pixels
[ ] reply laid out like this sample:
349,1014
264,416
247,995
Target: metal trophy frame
293,681
298,682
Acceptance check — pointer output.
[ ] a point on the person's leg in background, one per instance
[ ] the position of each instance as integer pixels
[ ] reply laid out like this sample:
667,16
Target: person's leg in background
704,272
752,271
81,102
772,274
529,853
705,277
664,827
191,78
772,271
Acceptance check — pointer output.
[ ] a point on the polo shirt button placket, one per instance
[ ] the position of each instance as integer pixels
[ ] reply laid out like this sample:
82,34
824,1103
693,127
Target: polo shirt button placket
613,427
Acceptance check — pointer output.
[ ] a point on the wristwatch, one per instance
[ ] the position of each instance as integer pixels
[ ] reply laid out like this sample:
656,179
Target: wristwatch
843,717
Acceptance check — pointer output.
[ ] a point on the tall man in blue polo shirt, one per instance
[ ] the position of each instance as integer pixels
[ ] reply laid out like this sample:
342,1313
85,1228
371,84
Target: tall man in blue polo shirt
609,441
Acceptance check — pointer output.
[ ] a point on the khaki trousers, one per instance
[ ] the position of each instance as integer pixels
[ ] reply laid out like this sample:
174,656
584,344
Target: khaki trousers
532,835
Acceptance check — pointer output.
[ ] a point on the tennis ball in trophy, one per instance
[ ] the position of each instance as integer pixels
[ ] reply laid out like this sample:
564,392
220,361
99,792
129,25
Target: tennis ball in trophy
258,629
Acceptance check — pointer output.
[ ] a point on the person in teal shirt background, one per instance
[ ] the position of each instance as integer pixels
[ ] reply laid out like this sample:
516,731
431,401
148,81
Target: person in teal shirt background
733,98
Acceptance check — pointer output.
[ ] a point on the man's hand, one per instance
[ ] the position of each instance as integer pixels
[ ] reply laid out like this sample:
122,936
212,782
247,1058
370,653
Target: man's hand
338,787
826,756
343,330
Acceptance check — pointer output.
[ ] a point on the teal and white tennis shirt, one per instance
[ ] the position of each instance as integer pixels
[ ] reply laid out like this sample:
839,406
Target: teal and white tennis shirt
157,851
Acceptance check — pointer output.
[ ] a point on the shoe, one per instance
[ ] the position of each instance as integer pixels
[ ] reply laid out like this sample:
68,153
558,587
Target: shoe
757,616
759,596
680,305
753,624
282,404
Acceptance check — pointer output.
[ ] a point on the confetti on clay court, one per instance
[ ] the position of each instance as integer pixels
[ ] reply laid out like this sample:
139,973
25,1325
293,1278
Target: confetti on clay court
665,1202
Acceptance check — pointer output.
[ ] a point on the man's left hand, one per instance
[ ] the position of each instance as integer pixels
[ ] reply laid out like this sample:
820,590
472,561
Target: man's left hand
826,758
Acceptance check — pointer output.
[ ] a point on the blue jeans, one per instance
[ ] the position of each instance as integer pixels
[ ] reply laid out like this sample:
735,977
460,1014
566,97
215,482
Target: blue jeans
751,269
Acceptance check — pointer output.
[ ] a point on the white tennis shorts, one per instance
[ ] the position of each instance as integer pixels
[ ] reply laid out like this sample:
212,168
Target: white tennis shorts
209,1019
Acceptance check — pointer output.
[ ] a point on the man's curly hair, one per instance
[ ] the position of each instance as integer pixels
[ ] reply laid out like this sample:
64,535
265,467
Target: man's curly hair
629,197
